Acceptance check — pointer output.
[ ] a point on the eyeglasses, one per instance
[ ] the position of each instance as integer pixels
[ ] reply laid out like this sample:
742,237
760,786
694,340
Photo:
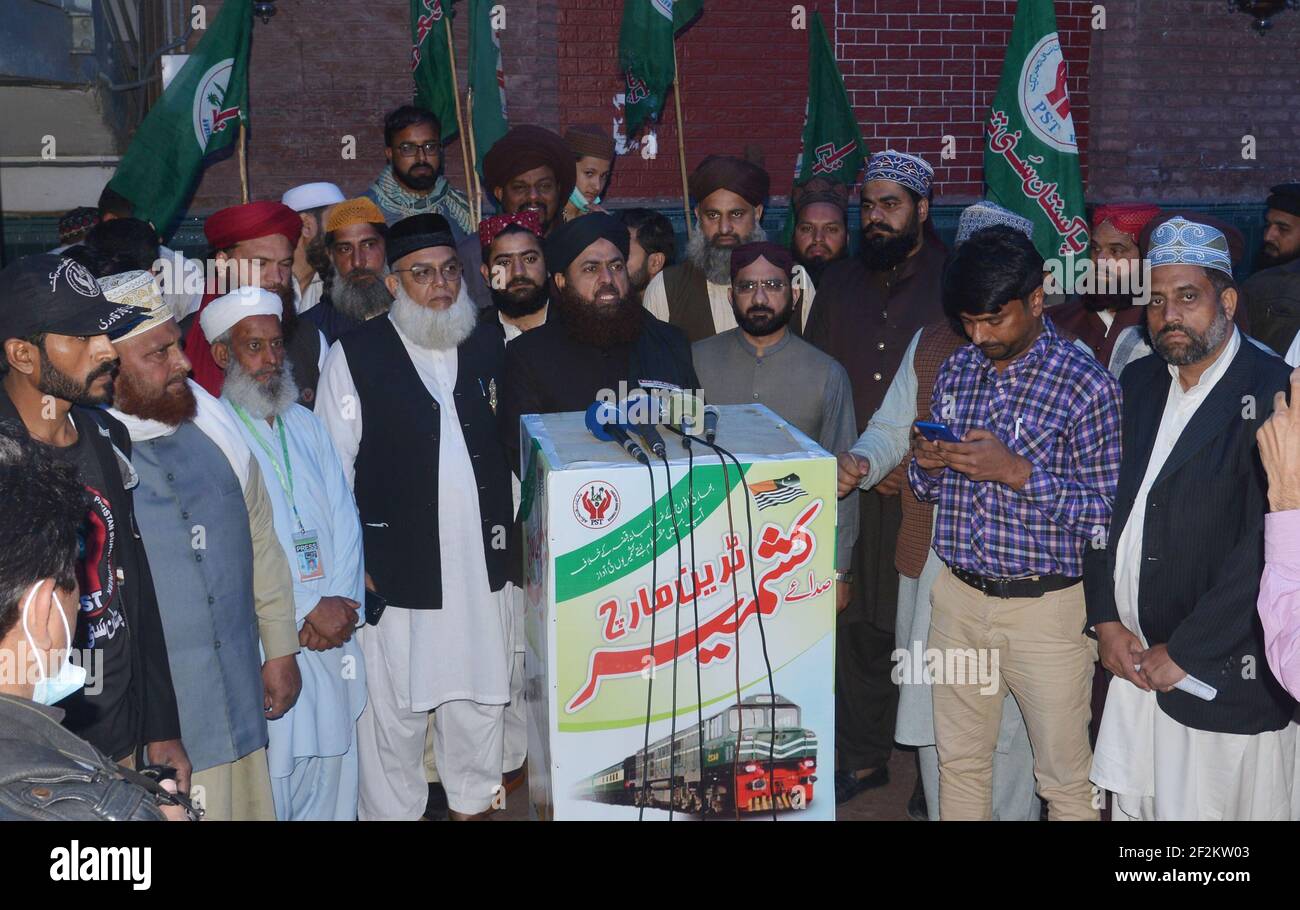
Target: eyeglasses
772,285
408,149
423,274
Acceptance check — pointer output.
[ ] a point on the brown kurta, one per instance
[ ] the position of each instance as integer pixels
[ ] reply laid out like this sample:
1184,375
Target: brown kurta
866,320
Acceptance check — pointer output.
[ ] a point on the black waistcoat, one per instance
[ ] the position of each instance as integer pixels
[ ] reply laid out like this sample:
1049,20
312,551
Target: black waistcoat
396,483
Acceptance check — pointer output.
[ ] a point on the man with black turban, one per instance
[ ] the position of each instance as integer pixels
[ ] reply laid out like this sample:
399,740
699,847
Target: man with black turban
595,338
692,295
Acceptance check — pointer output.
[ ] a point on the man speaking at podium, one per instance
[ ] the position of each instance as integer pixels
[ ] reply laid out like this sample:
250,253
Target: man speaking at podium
598,338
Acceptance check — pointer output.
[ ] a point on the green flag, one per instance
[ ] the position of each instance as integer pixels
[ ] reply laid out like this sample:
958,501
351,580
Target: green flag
832,143
199,114
487,80
645,55
1031,158
431,62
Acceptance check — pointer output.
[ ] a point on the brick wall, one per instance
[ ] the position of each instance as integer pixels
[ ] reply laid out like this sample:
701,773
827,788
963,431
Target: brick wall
1176,85
1160,98
323,69
915,70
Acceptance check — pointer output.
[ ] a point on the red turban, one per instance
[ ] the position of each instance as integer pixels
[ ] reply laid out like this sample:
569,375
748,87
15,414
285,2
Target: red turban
1130,219
492,226
238,223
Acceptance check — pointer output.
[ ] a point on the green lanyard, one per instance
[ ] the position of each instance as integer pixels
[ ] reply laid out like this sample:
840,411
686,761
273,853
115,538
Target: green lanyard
285,475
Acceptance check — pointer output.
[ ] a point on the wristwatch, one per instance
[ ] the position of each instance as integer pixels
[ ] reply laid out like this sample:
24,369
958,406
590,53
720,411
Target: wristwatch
846,577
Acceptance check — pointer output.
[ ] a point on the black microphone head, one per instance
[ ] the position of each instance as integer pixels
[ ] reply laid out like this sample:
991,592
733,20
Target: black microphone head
711,415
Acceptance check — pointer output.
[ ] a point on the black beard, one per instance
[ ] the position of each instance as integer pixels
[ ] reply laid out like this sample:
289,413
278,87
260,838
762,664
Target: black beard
359,300
1268,260
768,323
817,267
884,251
289,315
516,306
421,183
318,256
598,324
60,385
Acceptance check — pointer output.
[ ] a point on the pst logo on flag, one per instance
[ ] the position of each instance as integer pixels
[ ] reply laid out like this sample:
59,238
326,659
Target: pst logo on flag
210,117
769,493
830,158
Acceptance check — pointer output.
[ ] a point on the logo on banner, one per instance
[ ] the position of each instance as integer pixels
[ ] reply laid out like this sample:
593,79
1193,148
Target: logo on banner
768,493
210,117
596,505
829,158
1044,98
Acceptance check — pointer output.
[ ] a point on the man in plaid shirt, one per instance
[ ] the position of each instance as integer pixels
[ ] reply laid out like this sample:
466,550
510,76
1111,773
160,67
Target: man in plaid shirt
1030,485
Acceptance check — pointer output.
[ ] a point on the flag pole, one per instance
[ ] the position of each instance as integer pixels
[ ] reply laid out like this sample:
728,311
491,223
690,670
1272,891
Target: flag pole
455,93
471,179
681,139
243,165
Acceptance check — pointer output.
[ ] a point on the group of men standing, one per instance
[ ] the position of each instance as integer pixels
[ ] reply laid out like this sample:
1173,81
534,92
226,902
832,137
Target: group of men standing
295,613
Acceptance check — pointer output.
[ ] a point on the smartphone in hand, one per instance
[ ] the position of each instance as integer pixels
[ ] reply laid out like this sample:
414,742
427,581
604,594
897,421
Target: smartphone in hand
936,432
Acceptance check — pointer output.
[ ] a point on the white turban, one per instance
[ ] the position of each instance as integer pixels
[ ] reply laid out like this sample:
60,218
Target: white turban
312,196
221,314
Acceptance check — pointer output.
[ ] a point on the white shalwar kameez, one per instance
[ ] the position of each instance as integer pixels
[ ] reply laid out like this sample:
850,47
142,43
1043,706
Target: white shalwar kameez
450,661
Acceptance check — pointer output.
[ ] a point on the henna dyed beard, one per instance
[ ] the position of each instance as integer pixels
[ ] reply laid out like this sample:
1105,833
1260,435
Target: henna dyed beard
173,405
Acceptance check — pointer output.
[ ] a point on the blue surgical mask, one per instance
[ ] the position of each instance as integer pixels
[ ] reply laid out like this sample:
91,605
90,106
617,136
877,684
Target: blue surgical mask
70,678
580,201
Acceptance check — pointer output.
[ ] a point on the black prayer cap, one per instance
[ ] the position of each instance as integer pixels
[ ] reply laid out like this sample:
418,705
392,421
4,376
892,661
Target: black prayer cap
416,233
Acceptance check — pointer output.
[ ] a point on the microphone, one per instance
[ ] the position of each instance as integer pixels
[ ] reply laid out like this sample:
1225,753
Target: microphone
711,415
603,420
683,413
640,412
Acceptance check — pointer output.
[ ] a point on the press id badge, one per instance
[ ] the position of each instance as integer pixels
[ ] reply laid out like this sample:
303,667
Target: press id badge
306,547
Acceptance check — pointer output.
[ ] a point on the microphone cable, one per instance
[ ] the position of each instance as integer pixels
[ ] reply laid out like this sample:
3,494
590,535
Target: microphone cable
650,684
677,627
762,634
695,606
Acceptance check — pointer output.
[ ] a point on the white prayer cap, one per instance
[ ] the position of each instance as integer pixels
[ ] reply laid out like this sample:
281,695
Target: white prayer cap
220,316
311,196
138,289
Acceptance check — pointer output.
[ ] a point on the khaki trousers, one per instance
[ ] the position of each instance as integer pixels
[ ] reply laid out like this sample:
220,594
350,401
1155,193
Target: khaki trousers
1034,646
236,792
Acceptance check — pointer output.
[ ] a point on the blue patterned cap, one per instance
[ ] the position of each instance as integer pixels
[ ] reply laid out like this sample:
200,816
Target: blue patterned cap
908,170
1182,242
987,214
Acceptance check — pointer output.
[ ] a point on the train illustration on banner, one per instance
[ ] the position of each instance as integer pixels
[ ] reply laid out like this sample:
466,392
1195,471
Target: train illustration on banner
756,754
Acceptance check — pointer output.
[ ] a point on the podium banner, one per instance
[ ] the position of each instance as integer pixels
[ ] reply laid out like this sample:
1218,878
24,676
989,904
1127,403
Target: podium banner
733,649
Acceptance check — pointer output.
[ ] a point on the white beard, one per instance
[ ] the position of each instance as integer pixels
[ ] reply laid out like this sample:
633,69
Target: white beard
435,330
260,401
